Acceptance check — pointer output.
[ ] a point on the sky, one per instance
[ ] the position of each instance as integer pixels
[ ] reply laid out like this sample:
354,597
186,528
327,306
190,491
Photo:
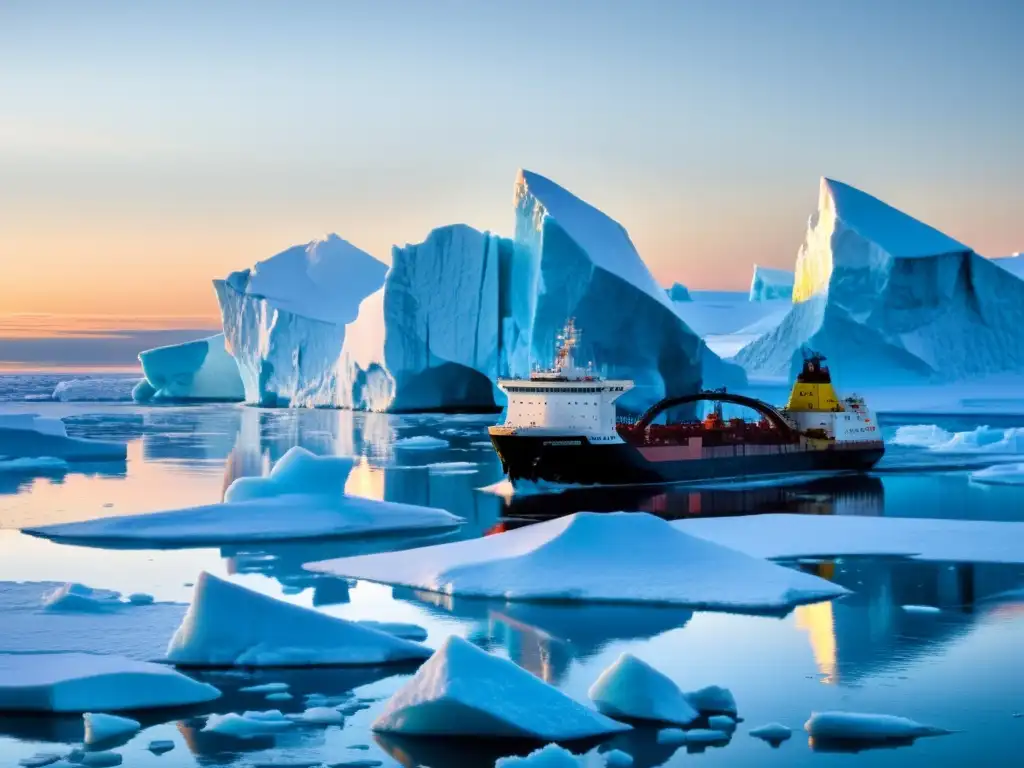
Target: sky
147,148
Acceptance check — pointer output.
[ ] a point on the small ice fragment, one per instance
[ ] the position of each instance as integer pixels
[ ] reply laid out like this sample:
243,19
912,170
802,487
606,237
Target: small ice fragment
78,598
631,688
921,609
722,723
39,760
102,727
140,598
773,733
279,696
160,746
858,726
671,736
421,442
248,724
265,688
713,700
100,759
319,716
616,758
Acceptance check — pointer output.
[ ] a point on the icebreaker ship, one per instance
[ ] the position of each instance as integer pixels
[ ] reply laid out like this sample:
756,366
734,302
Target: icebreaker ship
571,260
284,319
429,338
769,284
200,370
890,300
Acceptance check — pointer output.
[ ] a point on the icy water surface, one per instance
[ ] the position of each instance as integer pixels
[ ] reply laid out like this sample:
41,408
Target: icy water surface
958,667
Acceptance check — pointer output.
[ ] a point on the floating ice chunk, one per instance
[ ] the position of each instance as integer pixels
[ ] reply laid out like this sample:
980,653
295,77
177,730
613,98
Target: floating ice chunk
79,598
101,389
421,442
160,746
200,370
616,557
281,696
82,682
229,625
248,725
31,436
722,723
99,759
319,716
921,436
671,736
707,736
453,468
713,700
265,688
632,689
140,598
398,629
796,536
1000,474
550,756
678,292
773,733
616,758
920,609
464,691
40,463
857,726
101,727
301,498
39,760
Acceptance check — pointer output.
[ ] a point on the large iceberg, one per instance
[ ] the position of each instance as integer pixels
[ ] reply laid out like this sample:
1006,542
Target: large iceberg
29,435
890,300
769,283
195,370
1014,264
429,338
284,320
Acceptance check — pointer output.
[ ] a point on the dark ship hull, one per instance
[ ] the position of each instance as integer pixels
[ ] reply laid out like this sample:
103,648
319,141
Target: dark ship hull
574,459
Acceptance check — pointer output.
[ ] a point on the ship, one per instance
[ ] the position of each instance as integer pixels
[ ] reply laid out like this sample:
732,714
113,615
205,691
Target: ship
561,426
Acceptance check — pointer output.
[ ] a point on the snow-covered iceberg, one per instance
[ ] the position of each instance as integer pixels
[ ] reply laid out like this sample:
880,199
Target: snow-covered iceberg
85,682
892,301
284,320
679,292
769,284
634,690
228,625
429,338
622,557
302,497
200,370
465,691
572,260
29,435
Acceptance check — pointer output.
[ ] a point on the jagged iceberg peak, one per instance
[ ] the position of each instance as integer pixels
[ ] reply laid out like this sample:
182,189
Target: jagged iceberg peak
769,283
323,279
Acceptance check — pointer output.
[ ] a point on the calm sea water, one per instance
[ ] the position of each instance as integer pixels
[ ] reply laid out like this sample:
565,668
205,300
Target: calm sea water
959,668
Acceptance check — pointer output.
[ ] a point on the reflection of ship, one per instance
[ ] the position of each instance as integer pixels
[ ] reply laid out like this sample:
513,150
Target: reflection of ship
561,427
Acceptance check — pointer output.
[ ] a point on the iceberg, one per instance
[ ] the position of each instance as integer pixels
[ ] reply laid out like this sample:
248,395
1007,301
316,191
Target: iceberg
572,260
227,625
1013,264
200,370
621,557
77,598
302,497
429,338
889,300
860,727
679,292
634,690
793,536
101,727
284,319
29,435
85,682
465,691
769,284
713,700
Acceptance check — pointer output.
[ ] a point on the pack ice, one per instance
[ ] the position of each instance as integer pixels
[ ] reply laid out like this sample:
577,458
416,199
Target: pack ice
84,682
200,370
228,625
29,435
620,557
769,284
284,319
890,300
302,497
465,691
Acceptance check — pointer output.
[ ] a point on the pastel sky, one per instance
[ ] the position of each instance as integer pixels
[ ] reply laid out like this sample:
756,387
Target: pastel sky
146,148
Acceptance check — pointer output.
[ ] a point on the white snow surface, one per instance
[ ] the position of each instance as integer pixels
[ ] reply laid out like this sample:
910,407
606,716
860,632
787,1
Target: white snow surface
858,726
100,727
983,439
29,436
1000,474
100,389
769,283
786,536
891,301
83,682
284,320
228,625
302,497
194,370
632,689
604,557
465,691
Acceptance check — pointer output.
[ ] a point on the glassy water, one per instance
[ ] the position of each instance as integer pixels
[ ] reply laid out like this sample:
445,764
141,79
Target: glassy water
957,668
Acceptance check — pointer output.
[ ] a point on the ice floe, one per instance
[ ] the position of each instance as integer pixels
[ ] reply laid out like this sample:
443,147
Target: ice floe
785,536
421,442
549,756
160,746
82,682
1000,474
861,727
301,498
100,389
248,725
80,598
229,625
31,436
611,557
319,716
773,733
100,727
983,439
634,690
465,691
265,688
